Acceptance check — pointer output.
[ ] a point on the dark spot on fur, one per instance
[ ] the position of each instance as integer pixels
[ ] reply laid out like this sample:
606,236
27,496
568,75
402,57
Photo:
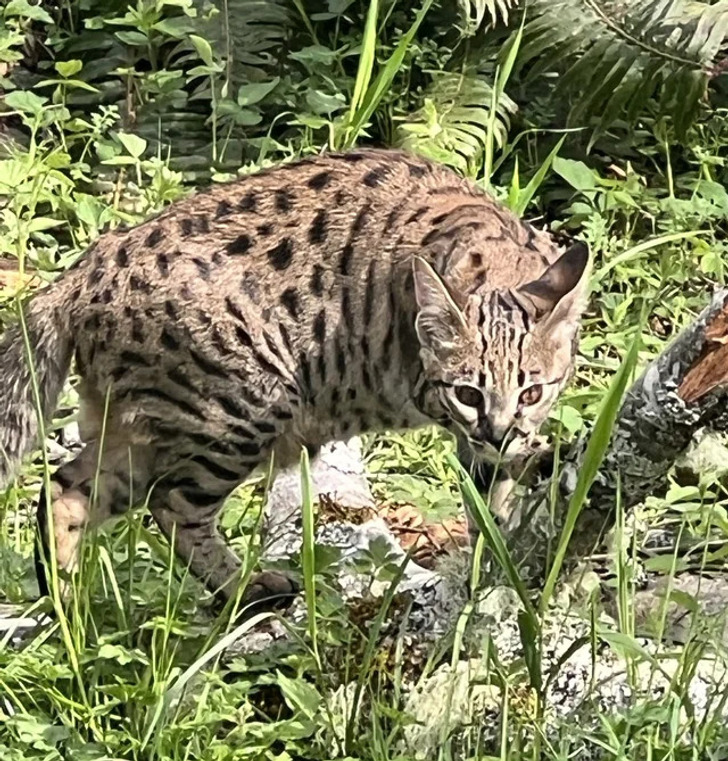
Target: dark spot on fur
373,178
243,336
203,267
234,309
132,358
137,330
417,215
283,201
122,257
176,376
241,245
319,326
163,264
345,260
280,256
137,284
360,220
186,226
317,280
169,341
155,237
248,202
319,228
319,181
95,275
417,170
265,229
170,310
223,209
290,300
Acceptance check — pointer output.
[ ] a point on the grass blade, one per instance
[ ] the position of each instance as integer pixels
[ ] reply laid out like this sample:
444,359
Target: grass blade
593,456
525,196
366,59
308,551
376,91
502,75
490,531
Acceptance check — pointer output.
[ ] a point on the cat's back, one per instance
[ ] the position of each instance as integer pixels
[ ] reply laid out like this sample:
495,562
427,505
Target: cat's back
272,223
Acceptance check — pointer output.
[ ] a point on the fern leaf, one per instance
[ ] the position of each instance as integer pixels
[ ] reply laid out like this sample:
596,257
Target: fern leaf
477,13
452,124
615,58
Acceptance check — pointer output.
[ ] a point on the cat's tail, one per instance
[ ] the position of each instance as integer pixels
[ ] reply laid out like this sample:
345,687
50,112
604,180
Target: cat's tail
35,356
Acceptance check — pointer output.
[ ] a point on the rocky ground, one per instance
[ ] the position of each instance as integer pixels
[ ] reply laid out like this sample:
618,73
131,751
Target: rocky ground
588,666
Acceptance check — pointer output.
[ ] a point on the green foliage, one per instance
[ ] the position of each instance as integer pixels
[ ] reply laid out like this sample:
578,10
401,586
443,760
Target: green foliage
613,58
453,122
603,120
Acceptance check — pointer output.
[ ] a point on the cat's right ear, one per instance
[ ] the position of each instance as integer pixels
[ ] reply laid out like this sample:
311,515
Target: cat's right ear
440,322
560,292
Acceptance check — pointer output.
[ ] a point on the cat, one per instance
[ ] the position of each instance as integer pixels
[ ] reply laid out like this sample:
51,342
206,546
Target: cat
343,293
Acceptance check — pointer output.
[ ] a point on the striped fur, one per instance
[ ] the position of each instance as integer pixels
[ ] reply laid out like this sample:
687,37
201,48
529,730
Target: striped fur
337,295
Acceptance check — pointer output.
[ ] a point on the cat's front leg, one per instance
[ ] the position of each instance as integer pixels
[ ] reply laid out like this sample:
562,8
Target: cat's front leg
498,482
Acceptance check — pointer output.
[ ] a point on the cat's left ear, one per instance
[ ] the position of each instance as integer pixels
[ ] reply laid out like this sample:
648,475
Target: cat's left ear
559,294
440,323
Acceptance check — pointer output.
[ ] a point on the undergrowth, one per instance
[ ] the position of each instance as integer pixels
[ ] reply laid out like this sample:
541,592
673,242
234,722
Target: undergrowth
597,120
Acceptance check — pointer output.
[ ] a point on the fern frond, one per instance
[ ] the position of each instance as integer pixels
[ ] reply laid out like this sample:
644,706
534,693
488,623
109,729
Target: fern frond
616,57
452,124
252,31
476,13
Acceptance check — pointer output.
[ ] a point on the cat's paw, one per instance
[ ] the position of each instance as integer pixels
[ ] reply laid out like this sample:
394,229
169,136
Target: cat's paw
269,590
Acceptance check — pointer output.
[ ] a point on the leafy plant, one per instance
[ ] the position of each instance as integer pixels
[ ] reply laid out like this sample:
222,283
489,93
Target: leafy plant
615,59
453,123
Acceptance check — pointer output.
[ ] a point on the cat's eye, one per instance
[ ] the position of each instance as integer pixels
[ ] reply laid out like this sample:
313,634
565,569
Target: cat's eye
468,395
531,395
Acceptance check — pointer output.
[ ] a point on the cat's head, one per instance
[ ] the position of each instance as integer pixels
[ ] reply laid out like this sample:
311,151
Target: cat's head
496,361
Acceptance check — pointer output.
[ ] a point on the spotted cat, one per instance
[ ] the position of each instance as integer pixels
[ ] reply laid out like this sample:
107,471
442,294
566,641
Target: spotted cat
340,294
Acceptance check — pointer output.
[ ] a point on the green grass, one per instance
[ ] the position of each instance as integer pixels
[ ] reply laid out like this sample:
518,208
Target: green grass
133,107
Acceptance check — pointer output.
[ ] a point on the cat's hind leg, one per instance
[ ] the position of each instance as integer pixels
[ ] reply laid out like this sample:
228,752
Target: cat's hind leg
186,513
102,482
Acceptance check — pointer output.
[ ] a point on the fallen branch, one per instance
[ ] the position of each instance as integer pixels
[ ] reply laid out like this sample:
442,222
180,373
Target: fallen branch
680,392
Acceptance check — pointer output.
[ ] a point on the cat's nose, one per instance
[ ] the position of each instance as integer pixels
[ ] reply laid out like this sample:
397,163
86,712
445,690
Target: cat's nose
499,436
495,435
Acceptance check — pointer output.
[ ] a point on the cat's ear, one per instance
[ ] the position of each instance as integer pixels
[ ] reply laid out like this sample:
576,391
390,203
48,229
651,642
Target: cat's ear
440,322
560,292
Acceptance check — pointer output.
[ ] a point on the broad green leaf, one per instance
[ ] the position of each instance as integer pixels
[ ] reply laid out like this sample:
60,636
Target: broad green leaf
68,68
202,46
133,38
26,10
249,95
134,144
576,173
43,223
25,101
569,417
315,54
299,694
324,103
